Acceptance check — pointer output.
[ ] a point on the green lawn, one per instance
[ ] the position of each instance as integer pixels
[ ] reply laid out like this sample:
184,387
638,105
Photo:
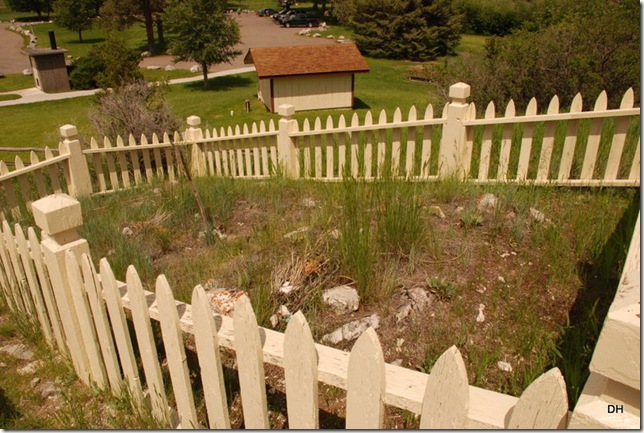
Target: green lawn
12,82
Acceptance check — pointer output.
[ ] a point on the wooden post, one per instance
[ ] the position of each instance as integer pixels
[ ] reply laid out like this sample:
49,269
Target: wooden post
452,151
286,152
59,217
81,184
198,157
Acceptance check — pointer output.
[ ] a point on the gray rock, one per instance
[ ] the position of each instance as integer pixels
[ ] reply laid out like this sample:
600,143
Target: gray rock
47,389
154,67
504,366
27,72
538,216
403,312
146,54
127,232
419,298
30,368
19,351
487,202
342,298
437,211
170,68
352,330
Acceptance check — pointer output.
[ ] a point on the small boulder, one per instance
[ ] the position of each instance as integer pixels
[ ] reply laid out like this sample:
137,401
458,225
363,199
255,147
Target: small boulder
487,202
403,312
170,68
419,299
154,67
330,37
27,72
18,351
504,366
195,68
30,368
352,330
437,211
343,299
480,318
274,320
47,389
283,311
146,54
538,216
127,232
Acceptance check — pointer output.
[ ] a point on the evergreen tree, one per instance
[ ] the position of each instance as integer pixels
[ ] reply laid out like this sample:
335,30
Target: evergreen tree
406,29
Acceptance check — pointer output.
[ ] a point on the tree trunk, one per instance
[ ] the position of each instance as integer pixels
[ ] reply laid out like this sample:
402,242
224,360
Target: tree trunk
204,71
160,36
80,35
149,23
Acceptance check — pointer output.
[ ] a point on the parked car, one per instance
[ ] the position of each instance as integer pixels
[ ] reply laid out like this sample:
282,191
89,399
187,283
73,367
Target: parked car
266,12
282,15
301,19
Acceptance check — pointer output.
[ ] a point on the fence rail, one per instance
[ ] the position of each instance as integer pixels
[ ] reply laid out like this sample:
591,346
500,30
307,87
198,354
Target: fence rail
83,311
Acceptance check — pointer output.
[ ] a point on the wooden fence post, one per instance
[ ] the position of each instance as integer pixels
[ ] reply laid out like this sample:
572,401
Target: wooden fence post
197,155
59,216
81,185
452,151
286,151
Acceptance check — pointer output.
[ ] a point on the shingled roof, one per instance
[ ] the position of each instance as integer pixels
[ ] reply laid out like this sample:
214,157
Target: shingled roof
306,60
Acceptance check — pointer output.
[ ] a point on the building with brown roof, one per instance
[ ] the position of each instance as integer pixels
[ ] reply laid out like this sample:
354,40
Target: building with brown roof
311,77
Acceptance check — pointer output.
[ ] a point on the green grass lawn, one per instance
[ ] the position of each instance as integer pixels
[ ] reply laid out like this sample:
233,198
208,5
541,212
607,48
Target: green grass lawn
12,82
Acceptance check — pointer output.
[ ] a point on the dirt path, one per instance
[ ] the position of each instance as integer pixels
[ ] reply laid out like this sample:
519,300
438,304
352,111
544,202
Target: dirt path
255,32
12,60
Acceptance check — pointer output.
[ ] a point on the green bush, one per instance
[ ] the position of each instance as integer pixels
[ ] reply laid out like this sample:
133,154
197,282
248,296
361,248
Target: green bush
84,71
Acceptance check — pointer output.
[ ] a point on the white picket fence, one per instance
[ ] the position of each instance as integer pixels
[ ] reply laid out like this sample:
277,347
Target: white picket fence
600,147
84,314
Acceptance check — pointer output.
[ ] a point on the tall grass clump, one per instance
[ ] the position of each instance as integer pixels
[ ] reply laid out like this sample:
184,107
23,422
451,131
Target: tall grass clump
399,227
356,238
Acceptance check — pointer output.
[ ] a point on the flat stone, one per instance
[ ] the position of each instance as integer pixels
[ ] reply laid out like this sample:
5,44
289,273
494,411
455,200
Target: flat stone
30,368
504,366
419,298
352,330
342,298
47,389
19,351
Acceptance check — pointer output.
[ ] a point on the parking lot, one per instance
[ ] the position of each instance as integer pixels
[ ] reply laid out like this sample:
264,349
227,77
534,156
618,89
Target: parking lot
255,32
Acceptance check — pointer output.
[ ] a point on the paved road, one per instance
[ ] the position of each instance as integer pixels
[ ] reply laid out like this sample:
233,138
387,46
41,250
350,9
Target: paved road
12,60
254,31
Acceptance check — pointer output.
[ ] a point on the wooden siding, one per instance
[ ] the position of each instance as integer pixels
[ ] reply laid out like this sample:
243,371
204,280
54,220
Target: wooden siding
264,92
314,93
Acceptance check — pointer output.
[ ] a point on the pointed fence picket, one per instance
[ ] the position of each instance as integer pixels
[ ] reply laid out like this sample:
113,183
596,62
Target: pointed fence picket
366,383
212,374
176,355
250,364
300,374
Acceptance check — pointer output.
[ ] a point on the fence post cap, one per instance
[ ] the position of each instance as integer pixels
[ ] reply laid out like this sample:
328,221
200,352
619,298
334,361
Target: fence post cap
57,213
68,131
193,121
459,92
286,110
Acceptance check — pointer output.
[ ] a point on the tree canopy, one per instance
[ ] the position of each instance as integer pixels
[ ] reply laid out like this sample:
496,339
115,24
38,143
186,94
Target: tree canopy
199,30
75,15
405,29
117,14
577,47
38,6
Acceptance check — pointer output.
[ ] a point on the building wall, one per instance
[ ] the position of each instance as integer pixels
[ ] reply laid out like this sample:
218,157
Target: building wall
264,92
315,92
50,73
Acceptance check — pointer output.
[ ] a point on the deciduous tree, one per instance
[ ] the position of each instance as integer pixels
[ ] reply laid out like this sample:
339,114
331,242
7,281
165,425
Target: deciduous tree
201,31
38,6
75,15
